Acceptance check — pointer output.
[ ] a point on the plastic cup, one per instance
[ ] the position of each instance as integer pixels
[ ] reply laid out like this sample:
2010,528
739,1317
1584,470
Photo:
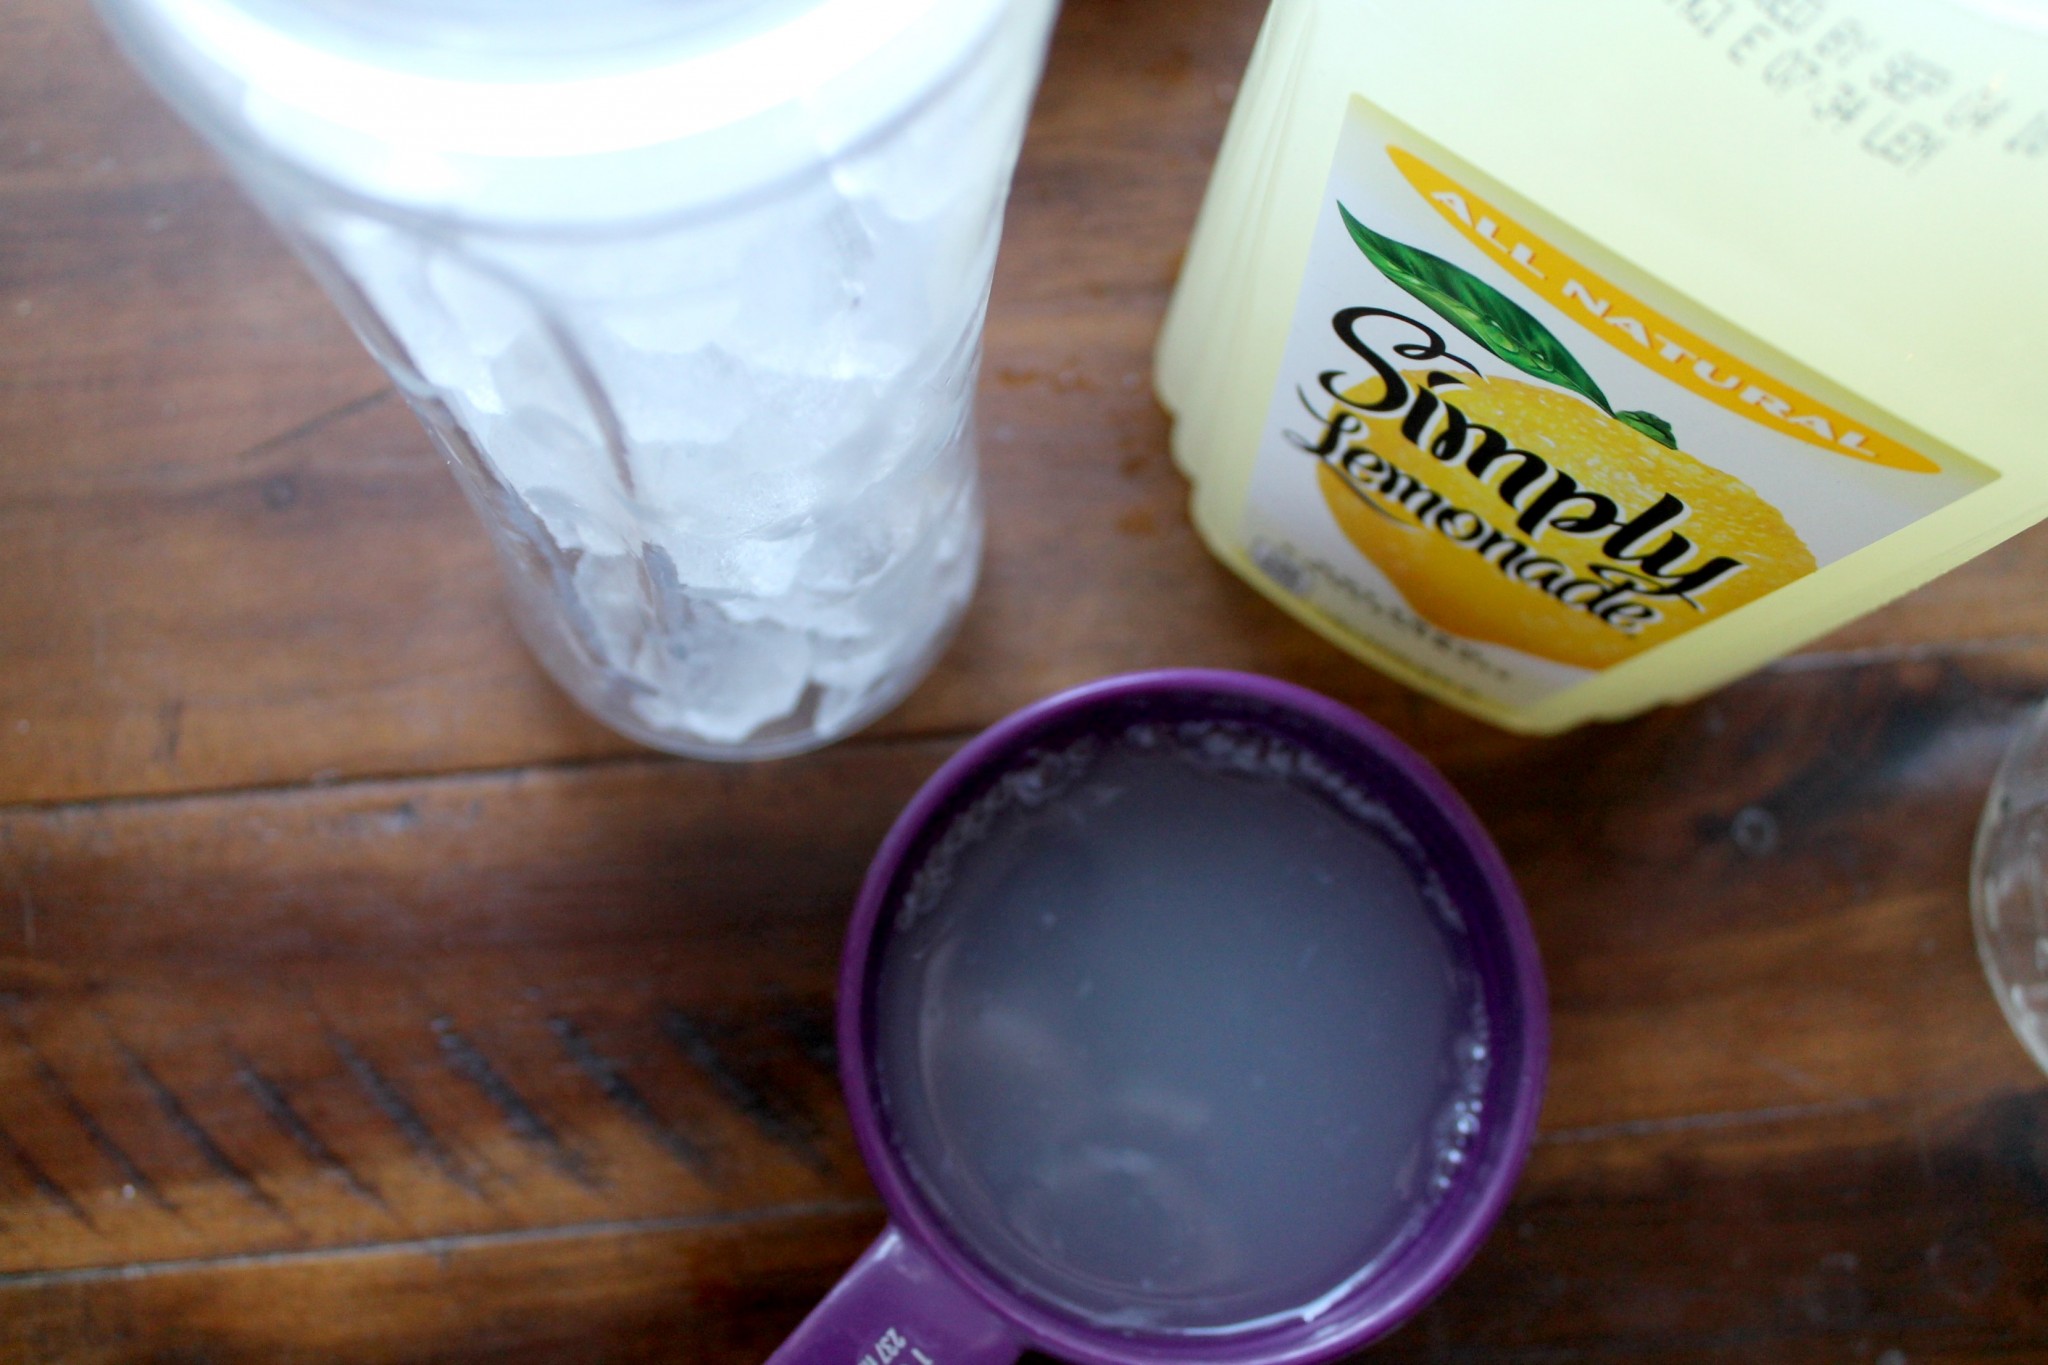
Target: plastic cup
2009,886
690,296
924,1295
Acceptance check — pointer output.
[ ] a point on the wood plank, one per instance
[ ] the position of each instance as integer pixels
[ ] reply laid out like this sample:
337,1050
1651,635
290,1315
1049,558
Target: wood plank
274,1020
1913,1228
151,327
281,583
229,559
708,1292
361,1001
330,1026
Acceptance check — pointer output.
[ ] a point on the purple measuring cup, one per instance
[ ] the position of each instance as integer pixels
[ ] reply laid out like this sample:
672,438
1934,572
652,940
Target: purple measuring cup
925,1294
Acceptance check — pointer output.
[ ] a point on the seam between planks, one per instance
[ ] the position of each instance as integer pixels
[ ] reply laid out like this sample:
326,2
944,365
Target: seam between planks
638,758
1874,656
1792,665
1724,1118
441,1246
1719,1119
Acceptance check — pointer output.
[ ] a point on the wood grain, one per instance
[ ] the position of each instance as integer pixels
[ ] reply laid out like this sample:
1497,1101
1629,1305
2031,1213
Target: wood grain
360,1001
228,558
722,1292
283,585
577,999
431,1007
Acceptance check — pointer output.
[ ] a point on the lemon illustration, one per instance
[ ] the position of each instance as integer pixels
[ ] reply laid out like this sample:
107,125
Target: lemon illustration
1465,550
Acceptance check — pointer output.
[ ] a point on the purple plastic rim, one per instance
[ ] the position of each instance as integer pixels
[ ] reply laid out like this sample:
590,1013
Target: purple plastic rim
1478,881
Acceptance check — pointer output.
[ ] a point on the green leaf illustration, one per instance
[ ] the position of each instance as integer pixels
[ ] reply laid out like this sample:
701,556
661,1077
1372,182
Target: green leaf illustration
1478,310
1651,425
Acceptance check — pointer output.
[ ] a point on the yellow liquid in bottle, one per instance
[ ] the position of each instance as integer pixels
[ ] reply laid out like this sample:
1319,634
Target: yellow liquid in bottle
1562,360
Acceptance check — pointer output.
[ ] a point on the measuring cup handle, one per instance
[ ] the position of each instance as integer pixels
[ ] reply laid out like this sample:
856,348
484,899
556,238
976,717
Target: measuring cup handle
898,1306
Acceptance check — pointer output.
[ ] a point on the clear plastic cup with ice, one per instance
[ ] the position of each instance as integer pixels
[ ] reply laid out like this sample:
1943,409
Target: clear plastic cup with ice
691,297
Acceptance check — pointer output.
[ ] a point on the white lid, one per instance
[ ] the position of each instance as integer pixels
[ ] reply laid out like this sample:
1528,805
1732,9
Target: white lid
539,110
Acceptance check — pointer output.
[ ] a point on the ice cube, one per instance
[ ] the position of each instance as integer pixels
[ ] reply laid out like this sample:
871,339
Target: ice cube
664,398
484,315
560,472
617,607
735,441
723,680
741,572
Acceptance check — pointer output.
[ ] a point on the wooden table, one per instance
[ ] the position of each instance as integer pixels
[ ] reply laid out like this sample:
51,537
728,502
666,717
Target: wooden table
361,1001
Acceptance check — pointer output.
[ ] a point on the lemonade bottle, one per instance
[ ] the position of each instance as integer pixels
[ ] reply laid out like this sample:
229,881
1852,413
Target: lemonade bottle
1562,360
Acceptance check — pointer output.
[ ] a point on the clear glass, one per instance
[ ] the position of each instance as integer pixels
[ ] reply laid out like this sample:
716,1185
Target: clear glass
695,314
2009,886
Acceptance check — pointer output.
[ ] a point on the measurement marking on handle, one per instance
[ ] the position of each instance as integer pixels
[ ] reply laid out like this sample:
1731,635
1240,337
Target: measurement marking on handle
892,1345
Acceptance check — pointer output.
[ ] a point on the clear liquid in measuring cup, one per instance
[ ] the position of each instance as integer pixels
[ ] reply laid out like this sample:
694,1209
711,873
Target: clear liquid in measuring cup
1175,1031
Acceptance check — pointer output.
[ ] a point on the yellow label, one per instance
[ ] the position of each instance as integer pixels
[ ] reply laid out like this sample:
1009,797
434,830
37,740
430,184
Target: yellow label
1501,464
1650,337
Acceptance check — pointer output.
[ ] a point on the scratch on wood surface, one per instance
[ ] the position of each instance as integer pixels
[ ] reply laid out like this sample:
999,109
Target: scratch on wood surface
611,1081
339,412
700,1044
1732,1118
170,724
277,1106
393,1105
41,1179
468,1062
132,1175
180,1118
1795,1076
